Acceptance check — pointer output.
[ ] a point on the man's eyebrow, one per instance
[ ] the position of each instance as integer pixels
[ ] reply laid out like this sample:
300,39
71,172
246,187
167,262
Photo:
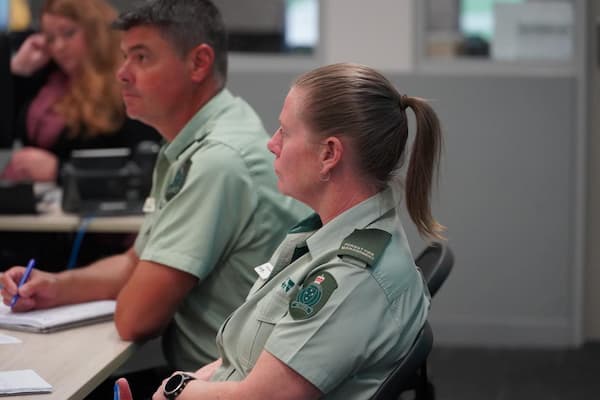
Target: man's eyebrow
137,47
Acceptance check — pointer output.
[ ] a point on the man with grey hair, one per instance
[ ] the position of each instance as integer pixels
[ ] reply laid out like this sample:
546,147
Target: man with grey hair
214,212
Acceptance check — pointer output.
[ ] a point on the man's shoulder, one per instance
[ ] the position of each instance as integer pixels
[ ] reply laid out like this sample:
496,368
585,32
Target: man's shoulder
235,140
211,155
236,125
233,115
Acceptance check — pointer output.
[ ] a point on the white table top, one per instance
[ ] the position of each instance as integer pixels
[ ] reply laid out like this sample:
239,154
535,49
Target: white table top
73,361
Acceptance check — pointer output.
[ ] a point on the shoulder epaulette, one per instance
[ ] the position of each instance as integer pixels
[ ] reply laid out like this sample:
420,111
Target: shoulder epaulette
365,245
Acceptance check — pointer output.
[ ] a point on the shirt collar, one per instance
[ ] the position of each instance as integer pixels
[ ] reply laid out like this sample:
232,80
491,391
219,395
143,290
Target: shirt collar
309,224
200,124
330,236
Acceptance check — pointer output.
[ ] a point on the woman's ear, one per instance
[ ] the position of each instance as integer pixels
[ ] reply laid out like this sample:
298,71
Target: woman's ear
201,59
331,151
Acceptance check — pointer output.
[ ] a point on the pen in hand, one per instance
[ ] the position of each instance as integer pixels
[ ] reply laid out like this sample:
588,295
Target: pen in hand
24,278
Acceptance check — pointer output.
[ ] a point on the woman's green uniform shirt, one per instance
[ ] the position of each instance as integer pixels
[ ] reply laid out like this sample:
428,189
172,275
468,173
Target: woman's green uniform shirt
349,304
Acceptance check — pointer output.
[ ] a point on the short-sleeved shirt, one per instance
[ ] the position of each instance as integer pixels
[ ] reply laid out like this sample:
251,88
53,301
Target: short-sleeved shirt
335,319
215,213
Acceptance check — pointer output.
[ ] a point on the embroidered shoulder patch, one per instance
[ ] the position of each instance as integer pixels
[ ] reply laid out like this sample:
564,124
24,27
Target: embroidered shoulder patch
313,296
178,181
366,245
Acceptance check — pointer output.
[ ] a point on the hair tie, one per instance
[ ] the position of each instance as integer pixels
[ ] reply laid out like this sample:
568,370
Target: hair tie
403,102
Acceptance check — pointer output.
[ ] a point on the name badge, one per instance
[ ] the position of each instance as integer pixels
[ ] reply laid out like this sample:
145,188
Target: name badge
264,270
149,205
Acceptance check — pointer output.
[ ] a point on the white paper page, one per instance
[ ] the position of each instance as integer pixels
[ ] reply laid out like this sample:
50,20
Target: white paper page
22,381
5,339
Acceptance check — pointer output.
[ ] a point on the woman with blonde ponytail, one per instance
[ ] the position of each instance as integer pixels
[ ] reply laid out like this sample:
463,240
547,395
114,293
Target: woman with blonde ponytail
341,300
65,91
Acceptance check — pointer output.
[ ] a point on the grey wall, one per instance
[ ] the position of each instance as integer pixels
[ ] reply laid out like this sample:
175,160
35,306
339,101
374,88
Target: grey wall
592,281
505,194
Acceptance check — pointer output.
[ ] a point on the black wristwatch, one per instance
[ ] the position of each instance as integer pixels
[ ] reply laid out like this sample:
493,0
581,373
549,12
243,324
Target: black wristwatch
175,384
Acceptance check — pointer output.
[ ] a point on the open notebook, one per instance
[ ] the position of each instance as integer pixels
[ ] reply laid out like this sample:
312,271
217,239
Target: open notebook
57,318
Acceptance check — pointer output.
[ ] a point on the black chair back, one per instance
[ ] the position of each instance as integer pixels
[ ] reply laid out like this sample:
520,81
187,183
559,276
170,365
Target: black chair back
410,372
435,262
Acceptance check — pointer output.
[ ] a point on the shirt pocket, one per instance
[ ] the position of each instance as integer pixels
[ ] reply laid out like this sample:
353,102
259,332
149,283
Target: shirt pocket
269,311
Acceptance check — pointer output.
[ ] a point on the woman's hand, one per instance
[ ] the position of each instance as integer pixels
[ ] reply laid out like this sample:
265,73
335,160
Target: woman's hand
31,56
206,372
159,393
32,163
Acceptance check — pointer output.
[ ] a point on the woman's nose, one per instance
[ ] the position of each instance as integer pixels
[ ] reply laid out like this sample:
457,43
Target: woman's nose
58,43
274,143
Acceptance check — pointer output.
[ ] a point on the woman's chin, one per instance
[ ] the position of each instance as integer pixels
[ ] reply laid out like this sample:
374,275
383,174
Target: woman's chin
280,187
70,69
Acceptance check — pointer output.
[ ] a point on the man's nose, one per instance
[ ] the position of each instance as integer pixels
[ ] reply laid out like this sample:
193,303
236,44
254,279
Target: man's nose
123,74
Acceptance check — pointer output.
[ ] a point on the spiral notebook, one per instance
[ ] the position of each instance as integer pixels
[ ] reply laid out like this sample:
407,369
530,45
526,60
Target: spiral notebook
57,318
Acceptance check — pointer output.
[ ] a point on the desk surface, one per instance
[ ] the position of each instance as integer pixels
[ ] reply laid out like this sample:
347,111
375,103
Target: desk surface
59,222
53,219
73,361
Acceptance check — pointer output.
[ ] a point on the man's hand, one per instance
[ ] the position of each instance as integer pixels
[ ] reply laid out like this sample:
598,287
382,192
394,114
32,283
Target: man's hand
40,290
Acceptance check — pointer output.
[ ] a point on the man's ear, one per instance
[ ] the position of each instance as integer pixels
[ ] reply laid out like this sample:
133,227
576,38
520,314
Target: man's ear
332,149
201,59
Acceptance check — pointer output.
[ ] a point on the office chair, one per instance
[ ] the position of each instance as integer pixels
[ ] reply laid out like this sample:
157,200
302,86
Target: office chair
435,263
411,371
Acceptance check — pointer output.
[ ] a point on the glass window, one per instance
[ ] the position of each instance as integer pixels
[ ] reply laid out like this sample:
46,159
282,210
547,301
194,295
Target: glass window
271,26
259,26
301,25
4,15
503,30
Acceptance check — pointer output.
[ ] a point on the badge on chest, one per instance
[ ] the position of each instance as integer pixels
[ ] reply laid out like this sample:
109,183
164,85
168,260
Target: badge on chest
178,180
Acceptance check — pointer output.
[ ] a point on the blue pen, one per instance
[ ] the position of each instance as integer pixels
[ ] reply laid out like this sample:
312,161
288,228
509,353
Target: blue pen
117,393
24,278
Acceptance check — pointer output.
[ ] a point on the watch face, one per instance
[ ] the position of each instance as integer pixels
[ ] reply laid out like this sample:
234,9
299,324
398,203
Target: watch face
173,383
